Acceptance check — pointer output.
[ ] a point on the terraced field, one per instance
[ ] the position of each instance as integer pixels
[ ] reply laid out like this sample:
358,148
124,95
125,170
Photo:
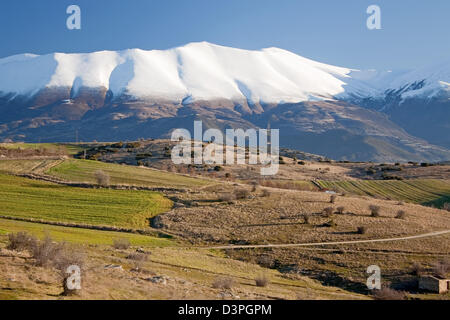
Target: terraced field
81,236
428,192
25,166
70,148
20,197
83,171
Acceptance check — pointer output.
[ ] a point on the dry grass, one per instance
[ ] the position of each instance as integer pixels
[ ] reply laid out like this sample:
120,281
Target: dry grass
223,283
121,244
387,293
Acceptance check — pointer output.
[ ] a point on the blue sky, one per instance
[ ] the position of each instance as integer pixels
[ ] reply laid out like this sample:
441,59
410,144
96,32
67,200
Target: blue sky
413,32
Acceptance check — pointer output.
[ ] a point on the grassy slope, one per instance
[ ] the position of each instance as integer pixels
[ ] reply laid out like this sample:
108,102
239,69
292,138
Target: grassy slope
83,171
80,236
35,199
418,191
23,166
71,148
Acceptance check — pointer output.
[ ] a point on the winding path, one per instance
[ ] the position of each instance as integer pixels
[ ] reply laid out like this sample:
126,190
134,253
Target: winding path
425,235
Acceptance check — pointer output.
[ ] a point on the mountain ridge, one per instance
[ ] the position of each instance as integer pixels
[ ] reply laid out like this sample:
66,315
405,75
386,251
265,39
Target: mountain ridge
136,93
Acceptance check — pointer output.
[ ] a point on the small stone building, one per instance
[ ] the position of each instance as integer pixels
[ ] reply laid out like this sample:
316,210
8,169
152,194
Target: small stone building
434,284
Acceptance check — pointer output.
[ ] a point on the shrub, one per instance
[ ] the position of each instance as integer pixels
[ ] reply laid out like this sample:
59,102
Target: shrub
102,178
223,283
446,206
137,256
241,193
227,197
417,269
328,212
340,210
265,193
361,230
21,241
261,281
333,198
45,251
121,244
401,214
387,293
67,256
254,186
441,269
330,224
374,211
306,218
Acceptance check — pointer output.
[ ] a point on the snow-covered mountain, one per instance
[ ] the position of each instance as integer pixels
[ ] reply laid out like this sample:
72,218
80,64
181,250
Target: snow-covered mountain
132,93
204,71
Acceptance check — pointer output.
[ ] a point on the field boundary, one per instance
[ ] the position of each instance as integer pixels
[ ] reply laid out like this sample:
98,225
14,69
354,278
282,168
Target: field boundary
153,233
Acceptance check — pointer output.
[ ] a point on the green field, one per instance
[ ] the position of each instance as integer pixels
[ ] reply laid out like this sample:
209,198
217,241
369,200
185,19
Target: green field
421,191
20,197
81,236
70,148
83,171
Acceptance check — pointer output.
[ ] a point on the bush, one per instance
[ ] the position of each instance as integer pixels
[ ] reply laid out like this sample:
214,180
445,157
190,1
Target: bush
417,269
401,214
227,197
121,244
265,193
330,224
254,186
333,198
137,256
328,212
374,211
45,251
241,193
223,283
306,218
361,230
102,178
21,241
340,210
387,293
261,281
441,269
446,206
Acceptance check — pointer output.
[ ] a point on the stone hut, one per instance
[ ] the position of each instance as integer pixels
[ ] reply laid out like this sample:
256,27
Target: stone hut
433,284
